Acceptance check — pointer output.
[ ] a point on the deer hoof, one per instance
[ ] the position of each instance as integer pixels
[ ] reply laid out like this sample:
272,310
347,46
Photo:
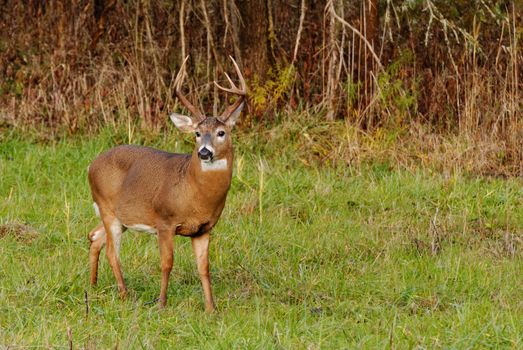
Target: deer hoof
162,303
210,309
123,294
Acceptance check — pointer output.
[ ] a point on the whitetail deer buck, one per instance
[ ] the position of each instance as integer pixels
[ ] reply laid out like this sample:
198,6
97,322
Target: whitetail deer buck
166,193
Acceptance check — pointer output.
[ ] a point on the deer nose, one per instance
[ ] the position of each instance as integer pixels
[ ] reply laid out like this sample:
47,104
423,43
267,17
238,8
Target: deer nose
205,154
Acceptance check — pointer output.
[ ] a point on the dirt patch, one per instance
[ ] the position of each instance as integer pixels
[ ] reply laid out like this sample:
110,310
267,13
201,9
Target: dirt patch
20,231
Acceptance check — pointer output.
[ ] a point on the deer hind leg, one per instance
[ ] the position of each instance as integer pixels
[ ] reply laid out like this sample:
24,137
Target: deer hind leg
200,246
97,239
114,229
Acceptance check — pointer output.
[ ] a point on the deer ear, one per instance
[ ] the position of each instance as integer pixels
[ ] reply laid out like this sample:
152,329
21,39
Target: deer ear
183,122
231,121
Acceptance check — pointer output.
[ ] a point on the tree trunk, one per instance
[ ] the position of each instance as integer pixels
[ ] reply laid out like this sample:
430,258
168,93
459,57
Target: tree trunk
254,37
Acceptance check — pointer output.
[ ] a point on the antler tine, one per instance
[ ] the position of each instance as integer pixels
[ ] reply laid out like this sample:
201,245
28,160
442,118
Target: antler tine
180,74
240,75
233,89
229,79
196,113
242,91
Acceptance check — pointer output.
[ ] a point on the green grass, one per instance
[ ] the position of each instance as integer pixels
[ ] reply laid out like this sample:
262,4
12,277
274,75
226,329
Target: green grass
311,257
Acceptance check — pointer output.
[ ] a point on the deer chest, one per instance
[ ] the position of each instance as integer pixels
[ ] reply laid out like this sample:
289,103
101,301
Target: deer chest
193,229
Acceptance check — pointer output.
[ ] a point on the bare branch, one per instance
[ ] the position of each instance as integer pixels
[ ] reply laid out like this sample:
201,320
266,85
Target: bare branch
358,33
300,29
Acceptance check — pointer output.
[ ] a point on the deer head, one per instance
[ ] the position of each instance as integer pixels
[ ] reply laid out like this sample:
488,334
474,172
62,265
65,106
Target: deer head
212,132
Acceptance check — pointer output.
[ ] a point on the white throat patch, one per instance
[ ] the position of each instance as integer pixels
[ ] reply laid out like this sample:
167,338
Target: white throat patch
216,165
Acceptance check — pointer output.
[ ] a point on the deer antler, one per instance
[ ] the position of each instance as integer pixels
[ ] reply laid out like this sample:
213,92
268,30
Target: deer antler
197,115
242,91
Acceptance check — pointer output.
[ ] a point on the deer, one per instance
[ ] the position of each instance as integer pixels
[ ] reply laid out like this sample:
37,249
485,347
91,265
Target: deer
166,194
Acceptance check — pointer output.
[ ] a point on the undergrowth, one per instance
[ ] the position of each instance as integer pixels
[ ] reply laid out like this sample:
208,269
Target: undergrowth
315,142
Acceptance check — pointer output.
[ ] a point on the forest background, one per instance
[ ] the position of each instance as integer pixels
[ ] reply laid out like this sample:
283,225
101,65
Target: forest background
417,81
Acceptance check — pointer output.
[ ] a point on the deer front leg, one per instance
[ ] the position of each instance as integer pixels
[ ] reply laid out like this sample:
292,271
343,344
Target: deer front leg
165,241
114,230
200,246
97,239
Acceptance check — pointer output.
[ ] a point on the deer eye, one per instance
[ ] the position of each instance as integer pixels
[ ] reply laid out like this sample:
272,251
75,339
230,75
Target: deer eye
221,133
197,134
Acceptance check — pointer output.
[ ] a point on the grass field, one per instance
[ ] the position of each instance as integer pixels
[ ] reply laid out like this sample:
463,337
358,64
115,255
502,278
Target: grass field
304,257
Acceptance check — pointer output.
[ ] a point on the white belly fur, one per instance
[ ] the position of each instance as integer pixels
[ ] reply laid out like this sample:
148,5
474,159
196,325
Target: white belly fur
137,227
142,227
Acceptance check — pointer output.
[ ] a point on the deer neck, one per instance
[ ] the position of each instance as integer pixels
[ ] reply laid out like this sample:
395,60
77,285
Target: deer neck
211,180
